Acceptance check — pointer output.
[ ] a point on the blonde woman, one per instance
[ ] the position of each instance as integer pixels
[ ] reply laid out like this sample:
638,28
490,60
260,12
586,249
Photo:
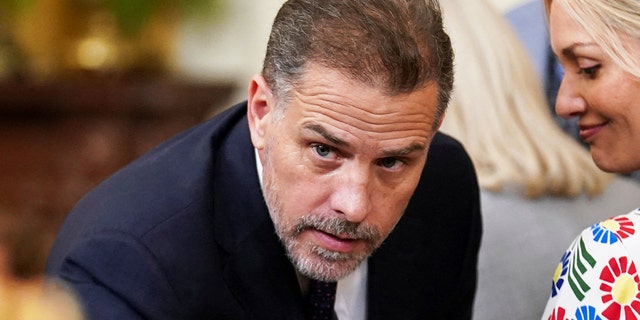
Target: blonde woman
598,44
539,186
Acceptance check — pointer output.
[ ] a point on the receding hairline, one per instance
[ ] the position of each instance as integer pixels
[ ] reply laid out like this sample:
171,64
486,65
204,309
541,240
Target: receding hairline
419,55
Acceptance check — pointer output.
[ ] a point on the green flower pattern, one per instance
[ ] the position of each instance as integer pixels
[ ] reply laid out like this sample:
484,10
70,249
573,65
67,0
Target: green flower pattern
602,276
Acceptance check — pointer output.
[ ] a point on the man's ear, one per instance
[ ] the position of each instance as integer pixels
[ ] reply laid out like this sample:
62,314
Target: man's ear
259,108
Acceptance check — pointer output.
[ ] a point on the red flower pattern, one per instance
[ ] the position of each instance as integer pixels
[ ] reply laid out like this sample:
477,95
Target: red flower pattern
558,314
621,287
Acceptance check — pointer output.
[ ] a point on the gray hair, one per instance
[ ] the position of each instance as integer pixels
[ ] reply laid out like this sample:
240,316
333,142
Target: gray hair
398,46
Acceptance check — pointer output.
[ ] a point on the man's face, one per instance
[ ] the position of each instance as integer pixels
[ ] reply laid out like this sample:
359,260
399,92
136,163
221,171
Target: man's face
340,166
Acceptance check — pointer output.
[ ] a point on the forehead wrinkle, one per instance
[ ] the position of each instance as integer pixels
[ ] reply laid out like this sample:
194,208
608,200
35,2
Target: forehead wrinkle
377,122
410,123
324,100
391,133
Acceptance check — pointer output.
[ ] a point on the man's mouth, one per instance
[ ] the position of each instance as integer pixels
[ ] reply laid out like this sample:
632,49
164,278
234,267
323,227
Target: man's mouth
339,243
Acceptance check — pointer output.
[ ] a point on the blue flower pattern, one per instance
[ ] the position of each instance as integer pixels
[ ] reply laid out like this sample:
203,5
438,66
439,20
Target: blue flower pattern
603,235
587,313
557,283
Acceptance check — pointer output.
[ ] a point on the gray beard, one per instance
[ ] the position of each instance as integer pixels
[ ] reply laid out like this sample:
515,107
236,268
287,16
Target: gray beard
309,259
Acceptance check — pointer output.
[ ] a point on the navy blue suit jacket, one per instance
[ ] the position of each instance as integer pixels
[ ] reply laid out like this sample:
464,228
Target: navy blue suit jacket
184,233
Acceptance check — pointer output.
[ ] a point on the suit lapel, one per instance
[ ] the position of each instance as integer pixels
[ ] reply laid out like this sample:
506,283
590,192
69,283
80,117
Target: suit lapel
263,280
257,270
392,274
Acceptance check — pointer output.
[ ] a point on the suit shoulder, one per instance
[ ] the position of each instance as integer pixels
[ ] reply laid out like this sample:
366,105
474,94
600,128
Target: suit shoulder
173,181
443,139
445,147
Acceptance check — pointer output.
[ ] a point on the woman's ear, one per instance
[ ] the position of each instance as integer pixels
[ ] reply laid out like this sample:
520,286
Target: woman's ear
259,108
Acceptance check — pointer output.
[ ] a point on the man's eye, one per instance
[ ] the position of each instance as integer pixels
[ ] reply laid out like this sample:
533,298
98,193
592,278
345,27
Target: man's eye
388,163
322,150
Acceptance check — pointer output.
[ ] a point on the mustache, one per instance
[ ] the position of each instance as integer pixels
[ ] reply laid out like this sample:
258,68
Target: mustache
336,226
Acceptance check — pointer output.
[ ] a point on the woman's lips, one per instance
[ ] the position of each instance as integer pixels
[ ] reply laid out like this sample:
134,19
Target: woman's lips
587,132
334,243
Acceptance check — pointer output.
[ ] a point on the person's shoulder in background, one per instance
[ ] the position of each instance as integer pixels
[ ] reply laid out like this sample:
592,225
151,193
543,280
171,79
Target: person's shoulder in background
24,292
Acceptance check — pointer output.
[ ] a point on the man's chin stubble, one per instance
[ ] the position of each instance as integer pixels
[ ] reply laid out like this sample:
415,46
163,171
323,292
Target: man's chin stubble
321,264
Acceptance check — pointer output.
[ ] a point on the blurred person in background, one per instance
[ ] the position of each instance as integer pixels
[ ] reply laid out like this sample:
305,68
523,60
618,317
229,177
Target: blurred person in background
529,23
538,185
24,292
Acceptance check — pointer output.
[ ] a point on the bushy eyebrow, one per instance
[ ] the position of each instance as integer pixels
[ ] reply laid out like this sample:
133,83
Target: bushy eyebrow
405,151
319,129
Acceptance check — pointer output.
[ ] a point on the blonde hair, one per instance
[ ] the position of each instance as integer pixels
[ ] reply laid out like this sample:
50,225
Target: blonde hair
611,24
498,111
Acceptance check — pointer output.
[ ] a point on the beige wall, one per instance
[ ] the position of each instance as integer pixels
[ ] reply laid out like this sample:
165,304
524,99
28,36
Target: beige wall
505,5
229,49
233,47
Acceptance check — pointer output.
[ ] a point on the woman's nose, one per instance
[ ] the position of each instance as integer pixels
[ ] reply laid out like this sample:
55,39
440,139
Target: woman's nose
569,102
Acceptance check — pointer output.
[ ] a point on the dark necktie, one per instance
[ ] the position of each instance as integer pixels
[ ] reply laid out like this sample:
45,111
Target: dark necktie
321,298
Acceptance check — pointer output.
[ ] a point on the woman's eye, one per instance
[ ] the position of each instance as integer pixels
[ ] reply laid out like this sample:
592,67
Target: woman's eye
322,150
590,71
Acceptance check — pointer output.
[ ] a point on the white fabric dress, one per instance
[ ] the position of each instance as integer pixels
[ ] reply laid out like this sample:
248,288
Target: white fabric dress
597,277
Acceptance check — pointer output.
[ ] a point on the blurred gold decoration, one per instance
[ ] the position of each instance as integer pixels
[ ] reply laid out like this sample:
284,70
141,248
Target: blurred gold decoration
11,59
101,37
99,49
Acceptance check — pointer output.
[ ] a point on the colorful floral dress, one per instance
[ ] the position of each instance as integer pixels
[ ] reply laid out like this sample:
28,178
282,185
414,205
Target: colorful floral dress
597,277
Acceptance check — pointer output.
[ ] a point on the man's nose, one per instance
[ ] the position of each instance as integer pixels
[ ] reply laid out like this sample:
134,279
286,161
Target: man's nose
569,102
351,196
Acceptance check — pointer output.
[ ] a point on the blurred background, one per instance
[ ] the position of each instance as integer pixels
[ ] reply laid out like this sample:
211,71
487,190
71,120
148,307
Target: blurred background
86,86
